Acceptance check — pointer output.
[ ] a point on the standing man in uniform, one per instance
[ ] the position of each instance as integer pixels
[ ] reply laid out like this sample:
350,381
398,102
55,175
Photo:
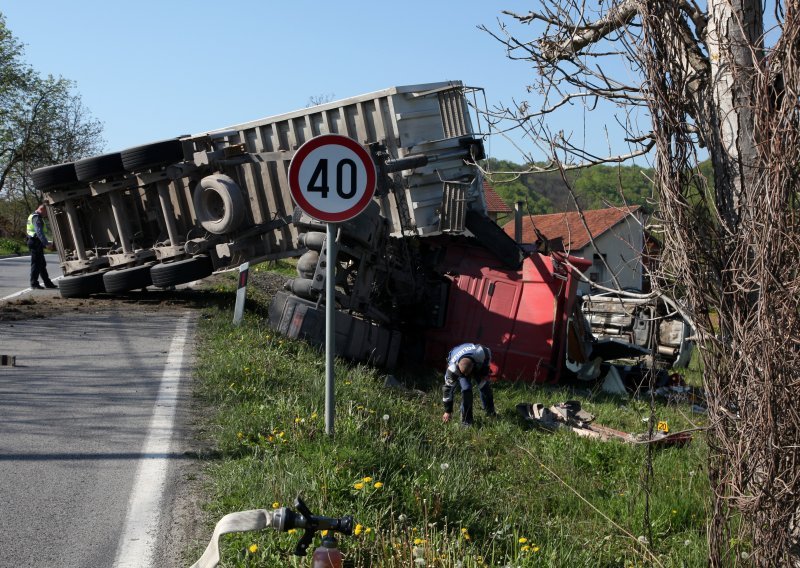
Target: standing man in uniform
37,232
464,363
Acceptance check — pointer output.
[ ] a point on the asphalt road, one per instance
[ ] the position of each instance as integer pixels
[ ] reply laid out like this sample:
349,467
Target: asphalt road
15,275
89,449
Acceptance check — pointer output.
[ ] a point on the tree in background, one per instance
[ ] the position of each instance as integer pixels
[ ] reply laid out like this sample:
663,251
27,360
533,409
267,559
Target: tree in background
686,80
42,122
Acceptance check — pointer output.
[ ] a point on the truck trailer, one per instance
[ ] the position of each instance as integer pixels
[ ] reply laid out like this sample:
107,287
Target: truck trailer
421,269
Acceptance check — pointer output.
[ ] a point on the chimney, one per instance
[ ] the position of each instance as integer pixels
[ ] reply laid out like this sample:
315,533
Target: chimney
518,221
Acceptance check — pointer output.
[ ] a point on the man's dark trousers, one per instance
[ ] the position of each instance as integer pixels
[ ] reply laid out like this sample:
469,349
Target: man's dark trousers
38,263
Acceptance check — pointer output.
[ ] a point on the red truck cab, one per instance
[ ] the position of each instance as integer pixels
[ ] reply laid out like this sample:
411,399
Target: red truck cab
521,315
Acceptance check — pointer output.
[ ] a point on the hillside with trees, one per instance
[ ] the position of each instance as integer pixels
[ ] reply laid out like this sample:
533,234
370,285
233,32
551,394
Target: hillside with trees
595,187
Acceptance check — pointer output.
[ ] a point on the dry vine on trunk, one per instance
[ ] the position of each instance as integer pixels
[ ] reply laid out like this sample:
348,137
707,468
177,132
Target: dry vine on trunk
731,245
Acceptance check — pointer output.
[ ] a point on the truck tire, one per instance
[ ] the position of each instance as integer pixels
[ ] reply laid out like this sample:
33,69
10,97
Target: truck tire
219,204
164,153
81,285
99,167
181,271
124,279
51,177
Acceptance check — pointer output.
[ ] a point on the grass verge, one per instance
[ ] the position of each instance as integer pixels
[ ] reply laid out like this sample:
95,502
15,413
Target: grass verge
430,494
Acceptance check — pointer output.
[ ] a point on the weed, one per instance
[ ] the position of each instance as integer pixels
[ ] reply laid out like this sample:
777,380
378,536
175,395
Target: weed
430,494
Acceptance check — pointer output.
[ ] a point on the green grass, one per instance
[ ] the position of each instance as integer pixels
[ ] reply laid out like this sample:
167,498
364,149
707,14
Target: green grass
498,494
12,246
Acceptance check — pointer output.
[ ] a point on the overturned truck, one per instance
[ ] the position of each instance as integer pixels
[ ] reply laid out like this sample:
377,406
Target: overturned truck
421,269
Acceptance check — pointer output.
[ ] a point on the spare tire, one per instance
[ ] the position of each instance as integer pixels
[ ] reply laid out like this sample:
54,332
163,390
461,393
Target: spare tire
157,154
219,204
51,177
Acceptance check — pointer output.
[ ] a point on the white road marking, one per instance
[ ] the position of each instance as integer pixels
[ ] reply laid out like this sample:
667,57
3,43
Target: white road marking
139,534
26,290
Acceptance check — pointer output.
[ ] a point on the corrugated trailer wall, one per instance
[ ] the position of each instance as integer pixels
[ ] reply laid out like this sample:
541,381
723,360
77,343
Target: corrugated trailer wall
406,120
146,206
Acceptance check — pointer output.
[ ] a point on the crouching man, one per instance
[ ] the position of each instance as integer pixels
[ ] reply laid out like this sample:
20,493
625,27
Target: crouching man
467,363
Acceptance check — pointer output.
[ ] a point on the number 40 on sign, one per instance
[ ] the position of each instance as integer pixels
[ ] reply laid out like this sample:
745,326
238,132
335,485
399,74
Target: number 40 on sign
332,178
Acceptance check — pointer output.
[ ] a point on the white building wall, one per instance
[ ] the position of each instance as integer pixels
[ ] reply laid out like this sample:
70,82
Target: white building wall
622,246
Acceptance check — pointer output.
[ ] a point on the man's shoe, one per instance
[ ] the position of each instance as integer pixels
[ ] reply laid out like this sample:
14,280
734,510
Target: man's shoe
50,285
37,286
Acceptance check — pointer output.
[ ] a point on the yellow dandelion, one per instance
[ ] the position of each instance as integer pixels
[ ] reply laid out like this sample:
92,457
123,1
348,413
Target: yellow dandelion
367,479
522,540
280,434
536,549
291,531
275,505
463,530
419,541
297,420
367,530
358,485
378,485
357,530
313,415
240,435
253,548
525,548
674,512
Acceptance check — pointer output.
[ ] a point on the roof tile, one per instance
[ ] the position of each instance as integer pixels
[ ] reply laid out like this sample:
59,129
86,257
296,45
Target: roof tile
569,227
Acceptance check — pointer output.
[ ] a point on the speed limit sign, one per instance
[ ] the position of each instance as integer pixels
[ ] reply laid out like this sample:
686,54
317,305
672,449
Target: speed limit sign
332,178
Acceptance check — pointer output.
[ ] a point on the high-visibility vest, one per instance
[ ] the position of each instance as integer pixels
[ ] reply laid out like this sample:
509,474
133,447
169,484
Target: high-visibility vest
30,229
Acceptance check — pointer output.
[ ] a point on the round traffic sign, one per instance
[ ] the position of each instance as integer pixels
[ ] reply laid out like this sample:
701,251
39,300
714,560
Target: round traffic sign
332,178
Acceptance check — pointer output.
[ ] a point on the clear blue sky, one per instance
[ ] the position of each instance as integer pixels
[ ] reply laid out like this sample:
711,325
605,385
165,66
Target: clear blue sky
150,70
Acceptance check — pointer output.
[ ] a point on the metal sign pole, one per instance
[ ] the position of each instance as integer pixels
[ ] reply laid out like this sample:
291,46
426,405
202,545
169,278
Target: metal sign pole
330,324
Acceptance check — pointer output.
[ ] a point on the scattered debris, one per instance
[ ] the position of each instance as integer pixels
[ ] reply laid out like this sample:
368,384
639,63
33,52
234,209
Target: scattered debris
675,390
570,415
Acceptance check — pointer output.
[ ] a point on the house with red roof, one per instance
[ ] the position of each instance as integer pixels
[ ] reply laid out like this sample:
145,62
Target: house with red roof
614,239
495,206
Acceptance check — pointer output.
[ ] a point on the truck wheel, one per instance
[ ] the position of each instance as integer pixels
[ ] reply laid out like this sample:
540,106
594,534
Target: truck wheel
181,271
99,167
219,204
81,285
51,177
164,153
125,279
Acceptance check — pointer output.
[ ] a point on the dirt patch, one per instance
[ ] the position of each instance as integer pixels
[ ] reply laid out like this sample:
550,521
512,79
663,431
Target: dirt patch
43,304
